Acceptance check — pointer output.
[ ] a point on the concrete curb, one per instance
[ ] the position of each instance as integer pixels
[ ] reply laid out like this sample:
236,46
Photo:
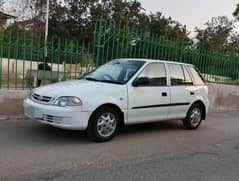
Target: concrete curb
20,117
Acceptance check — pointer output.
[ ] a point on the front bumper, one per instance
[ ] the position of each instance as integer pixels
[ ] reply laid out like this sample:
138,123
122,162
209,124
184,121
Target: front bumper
62,117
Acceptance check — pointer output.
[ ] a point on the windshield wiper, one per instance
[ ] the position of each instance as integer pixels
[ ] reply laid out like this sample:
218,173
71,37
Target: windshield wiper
111,81
91,79
105,81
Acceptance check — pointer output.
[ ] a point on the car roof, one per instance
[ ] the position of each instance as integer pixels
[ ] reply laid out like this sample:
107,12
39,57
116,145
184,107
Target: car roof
154,60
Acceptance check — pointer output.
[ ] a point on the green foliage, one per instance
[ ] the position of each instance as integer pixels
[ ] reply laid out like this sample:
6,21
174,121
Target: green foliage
57,20
216,34
162,25
233,45
76,19
236,12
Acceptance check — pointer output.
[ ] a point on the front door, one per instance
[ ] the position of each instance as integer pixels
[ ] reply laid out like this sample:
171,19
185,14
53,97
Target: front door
149,102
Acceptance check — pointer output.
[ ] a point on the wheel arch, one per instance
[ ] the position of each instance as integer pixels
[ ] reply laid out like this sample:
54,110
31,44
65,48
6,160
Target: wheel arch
202,106
113,106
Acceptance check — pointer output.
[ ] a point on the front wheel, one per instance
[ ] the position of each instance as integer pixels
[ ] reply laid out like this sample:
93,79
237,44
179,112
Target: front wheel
103,124
194,117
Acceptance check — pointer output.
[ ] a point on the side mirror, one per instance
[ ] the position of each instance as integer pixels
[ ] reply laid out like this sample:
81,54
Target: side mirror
140,81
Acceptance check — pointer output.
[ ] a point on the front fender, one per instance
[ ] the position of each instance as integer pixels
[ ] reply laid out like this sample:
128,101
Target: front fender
91,104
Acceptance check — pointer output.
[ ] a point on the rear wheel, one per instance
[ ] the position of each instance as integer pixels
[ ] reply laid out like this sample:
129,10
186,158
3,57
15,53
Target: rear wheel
194,117
103,124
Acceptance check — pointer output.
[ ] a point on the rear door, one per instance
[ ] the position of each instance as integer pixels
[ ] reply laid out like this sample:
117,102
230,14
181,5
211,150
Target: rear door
183,92
202,89
149,102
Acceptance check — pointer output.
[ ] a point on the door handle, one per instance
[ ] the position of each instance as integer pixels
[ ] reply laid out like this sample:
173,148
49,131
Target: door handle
164,94
192,93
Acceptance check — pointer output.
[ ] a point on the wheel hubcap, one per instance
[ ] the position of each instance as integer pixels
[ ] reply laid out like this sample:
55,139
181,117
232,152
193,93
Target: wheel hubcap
106,124
195,116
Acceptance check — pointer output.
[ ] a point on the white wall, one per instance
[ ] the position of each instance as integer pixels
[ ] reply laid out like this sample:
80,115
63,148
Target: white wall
12,63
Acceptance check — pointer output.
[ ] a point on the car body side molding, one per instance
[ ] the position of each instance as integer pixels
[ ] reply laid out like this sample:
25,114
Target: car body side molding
162,105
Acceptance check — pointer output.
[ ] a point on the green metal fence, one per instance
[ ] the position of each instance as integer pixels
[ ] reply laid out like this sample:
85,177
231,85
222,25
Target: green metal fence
124,42
21,54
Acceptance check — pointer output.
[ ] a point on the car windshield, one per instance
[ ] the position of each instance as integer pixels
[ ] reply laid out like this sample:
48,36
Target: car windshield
116,71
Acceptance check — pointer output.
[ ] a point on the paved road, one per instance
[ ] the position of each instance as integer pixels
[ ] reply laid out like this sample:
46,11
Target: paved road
162,151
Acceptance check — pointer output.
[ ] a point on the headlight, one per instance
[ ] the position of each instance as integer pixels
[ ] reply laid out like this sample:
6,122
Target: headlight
67,101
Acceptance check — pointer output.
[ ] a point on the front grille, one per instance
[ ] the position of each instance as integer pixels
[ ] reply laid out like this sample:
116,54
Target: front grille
51,119
40,98
48,118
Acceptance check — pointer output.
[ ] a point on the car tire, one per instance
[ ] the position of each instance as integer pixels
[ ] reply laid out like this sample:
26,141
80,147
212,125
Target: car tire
103,124
194,117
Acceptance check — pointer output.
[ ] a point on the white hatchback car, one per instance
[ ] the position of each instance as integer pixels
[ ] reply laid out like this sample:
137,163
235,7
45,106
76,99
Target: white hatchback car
122,92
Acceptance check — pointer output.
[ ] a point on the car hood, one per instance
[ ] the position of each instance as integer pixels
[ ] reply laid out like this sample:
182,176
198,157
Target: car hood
75,88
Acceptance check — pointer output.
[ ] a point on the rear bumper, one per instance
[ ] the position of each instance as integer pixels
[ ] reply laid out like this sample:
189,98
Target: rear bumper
71,118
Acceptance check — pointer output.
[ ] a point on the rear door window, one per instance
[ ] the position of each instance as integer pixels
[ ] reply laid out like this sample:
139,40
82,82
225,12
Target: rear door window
178,76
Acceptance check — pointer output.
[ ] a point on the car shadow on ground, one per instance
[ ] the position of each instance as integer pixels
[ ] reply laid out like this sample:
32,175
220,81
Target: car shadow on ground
49,134
164,126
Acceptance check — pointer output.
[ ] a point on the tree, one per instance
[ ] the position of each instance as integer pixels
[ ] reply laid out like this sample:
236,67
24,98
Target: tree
216,34
76,19
1,4
233,44
1,15
58,20
166,26
236,12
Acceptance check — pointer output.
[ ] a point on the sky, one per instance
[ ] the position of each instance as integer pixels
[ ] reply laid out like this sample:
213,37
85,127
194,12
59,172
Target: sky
191,12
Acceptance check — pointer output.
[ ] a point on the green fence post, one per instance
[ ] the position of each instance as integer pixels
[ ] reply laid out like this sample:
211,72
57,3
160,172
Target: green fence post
38,55
24,58
1,54
127,38
155,46
159,48
9,57
76,59
130,53
52,55
87,57
135,41
58,57
152,40
31,53
122,43
108,42
83,58
113,43
16,57
71,51
140,43
144,46
65,59
103,56
118,41
98,46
